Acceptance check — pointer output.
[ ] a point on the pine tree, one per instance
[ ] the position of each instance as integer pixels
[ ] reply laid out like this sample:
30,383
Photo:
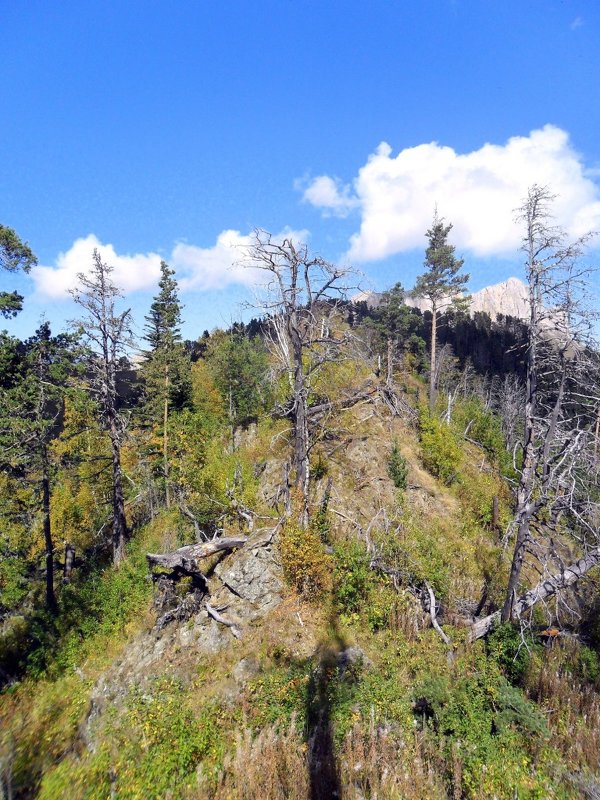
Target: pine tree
166,371
14,255
395,323
442,284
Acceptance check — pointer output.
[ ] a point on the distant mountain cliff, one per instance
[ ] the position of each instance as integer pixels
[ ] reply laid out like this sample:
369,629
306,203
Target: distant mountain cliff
508,298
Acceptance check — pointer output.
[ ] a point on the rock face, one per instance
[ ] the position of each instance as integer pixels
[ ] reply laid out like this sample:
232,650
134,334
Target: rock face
243,588
508,298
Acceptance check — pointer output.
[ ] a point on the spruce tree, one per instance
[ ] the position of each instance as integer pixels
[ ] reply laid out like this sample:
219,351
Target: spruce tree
441,284
166,370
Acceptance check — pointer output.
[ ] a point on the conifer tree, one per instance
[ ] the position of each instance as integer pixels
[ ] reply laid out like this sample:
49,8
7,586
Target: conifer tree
14,255
166,371
109,335
441,284
32,402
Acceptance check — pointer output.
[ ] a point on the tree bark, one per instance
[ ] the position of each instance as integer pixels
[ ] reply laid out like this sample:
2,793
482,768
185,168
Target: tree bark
186,558
68,565
165,438
120,533
389,378
49,545
432,381
545,589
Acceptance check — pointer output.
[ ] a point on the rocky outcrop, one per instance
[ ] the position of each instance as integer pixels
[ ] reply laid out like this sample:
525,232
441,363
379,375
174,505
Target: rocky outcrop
244,587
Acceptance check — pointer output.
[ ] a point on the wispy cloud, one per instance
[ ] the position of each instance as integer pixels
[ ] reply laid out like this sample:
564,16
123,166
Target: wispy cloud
198,268
577,23
476,191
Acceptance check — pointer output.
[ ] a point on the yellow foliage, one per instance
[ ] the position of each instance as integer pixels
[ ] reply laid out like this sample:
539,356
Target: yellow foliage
306,565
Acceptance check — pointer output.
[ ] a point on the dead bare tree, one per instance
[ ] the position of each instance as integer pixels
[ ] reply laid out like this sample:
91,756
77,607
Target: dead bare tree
300,298
108,334
555,491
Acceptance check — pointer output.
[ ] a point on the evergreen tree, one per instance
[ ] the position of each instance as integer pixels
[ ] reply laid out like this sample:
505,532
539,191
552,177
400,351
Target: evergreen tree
32,402
14,255
395,323
166,371
239,366
442,284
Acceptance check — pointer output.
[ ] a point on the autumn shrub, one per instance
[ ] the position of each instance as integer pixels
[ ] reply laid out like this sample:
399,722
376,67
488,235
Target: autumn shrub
306,565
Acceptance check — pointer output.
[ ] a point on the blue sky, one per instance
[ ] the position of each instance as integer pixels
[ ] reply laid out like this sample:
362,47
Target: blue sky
172,130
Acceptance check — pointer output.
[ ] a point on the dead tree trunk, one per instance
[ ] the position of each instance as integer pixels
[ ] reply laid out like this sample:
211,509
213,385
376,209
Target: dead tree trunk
186,558
542,591
49,545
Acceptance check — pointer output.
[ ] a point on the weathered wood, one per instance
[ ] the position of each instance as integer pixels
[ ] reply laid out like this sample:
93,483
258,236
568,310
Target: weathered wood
433,614
69,560
542,591
186,558
224,621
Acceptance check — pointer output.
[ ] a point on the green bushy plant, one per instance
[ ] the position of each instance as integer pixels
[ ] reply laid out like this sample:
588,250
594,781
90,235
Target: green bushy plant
397,467
440,450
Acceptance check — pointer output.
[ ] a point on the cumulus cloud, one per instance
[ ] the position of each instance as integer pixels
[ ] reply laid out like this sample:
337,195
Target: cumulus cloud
130,272
330,195
476,191
197,268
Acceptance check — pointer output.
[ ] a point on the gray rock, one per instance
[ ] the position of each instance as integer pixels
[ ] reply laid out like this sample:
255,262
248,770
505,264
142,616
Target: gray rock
245,669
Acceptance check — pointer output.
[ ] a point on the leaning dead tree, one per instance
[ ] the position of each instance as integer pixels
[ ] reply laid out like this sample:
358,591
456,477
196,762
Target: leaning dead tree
556,494
300,299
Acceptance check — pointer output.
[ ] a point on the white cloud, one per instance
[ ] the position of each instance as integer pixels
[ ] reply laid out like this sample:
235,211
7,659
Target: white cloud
329,194
197,268
577,23
476,191
130,272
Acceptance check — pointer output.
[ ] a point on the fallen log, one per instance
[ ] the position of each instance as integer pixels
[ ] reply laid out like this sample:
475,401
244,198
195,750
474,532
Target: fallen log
186,558
542,591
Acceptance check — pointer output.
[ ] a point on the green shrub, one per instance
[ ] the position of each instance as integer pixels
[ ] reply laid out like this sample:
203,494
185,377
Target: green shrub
440,450
397,468
352,577
510,650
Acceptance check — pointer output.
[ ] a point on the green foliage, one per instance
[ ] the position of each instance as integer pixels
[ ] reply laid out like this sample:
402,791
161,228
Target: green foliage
489,725
441,451
239,366
150,750
441,279
352,577
485,428
589,665
14,255
398,467
280,694
510,650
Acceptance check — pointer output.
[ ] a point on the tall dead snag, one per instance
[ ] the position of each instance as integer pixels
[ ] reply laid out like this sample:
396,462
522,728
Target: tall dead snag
108,335
301,295
555,491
